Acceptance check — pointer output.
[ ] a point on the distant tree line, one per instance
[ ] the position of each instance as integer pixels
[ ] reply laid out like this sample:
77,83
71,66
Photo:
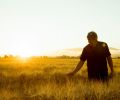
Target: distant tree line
59,57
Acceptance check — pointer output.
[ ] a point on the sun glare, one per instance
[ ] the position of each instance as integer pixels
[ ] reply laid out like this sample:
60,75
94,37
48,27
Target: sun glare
23,59
23,52
25,46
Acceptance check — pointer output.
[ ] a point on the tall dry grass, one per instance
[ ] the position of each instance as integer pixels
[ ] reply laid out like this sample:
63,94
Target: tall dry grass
45,79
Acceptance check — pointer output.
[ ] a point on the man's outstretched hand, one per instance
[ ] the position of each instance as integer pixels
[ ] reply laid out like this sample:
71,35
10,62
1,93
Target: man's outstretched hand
78,67
70,74
112,74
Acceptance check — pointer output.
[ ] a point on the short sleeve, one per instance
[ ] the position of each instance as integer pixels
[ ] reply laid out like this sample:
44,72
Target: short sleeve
107,52
83,56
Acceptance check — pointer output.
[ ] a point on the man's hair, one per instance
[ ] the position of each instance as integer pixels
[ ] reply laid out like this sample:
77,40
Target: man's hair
92,34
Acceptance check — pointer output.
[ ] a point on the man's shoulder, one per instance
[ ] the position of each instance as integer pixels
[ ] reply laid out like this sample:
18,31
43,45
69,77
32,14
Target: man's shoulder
86,47
102,44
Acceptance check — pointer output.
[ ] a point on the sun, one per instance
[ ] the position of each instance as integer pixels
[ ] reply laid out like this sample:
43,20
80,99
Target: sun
28,44
23,51
25,46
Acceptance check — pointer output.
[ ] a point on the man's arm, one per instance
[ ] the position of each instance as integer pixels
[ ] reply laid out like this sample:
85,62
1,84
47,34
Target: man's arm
110,62
78,67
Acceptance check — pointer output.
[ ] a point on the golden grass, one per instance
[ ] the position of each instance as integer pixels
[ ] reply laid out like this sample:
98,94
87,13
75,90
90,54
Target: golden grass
45,79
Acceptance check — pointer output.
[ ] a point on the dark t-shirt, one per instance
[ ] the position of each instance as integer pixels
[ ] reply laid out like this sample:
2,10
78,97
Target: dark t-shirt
96,59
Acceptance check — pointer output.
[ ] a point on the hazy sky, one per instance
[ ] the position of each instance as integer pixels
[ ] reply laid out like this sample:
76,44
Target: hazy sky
35,27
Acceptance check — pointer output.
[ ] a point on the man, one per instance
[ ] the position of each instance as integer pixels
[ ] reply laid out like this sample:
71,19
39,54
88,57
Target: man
97,55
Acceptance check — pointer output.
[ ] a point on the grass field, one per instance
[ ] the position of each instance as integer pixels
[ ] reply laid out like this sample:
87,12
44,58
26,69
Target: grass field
46,79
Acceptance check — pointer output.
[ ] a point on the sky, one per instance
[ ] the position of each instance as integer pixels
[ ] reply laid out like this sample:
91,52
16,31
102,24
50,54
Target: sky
38,27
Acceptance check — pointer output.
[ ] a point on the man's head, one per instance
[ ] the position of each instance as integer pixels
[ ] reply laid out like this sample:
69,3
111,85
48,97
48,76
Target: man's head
92,38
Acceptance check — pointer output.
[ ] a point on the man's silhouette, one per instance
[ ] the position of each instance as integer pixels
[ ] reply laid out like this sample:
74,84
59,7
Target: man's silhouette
97,55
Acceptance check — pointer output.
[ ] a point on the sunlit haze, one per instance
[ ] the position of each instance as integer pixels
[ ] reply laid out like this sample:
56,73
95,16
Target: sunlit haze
38,27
